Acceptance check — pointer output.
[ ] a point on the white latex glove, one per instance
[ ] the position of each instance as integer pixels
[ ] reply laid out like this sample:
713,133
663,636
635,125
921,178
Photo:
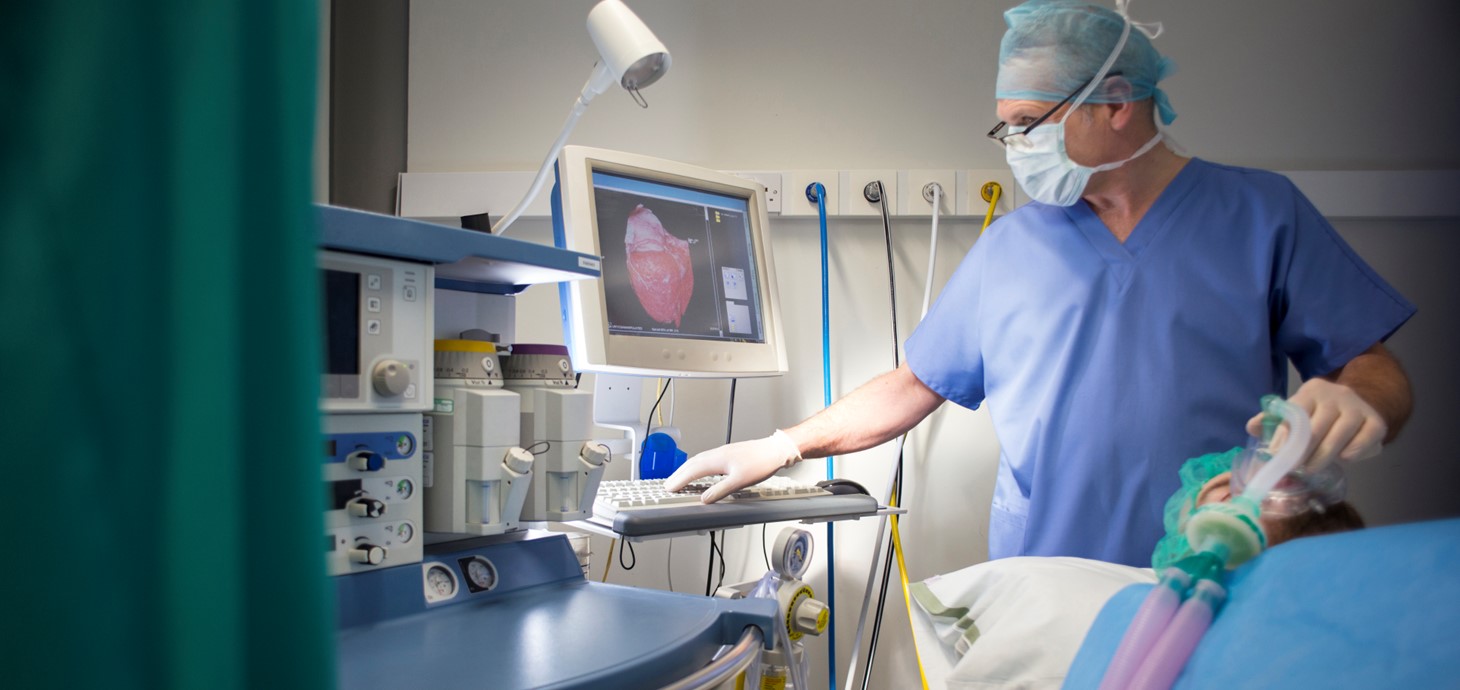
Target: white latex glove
1344,426
743,464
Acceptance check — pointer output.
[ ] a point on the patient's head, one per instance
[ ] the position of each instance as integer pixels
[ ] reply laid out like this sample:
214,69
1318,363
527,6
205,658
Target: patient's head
1336,517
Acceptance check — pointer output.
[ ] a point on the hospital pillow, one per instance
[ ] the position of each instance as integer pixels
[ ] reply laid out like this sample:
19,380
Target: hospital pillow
1017,622
1376,608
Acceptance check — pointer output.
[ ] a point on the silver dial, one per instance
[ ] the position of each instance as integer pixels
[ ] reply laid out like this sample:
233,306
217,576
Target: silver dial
481,573
792,555
440,583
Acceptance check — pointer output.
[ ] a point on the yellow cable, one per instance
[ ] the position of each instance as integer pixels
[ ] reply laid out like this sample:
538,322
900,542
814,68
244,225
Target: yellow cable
907,599
991,192
902,575
608,562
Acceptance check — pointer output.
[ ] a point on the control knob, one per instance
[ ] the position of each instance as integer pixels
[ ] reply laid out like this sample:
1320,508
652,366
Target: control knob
810,617
518,460
594,454
368,553
391,377
366,461
366,507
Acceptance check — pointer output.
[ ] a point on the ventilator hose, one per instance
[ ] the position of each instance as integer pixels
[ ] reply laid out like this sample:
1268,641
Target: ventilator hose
1146,627
817,193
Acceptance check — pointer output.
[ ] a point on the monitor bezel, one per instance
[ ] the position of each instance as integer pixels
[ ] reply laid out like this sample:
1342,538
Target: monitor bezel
585,313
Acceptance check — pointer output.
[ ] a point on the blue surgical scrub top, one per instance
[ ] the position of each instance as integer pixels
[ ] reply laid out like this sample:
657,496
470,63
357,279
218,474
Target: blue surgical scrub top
1106,365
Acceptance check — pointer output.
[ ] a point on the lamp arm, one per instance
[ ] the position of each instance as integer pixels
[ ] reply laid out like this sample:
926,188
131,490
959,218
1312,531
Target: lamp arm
597,83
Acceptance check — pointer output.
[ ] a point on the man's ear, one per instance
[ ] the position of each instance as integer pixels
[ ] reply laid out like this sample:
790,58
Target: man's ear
1122,111
1122,115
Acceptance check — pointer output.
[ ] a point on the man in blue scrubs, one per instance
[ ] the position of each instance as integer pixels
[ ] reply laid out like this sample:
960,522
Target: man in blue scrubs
1127,319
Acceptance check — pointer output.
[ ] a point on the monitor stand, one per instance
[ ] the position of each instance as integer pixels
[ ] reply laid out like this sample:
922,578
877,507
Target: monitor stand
616,402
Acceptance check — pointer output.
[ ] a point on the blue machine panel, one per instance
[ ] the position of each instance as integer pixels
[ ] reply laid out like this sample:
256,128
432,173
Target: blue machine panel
393,445
539,625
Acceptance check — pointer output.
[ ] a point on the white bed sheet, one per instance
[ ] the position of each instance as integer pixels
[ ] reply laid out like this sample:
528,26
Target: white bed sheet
1031,615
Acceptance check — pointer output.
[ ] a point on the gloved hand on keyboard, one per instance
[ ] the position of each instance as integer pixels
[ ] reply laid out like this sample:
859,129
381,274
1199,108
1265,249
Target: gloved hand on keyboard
743,464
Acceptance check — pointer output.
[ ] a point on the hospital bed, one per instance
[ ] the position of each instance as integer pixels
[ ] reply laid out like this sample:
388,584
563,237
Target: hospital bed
1367,609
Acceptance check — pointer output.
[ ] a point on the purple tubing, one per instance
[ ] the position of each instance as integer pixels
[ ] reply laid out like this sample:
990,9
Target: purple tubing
1145,629
1170,653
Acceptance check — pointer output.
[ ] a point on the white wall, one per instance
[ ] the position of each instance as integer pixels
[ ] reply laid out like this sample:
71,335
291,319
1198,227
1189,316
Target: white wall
771,84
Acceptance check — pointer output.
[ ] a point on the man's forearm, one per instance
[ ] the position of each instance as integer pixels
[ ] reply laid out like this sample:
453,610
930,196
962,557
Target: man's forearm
878,411
1375,375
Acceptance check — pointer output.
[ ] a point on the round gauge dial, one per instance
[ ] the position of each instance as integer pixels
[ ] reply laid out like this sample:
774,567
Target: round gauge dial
404,488
440,583
405,532
481,575
792,555
404,444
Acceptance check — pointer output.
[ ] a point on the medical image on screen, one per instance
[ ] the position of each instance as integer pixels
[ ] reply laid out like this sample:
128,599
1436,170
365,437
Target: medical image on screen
659,267
677,263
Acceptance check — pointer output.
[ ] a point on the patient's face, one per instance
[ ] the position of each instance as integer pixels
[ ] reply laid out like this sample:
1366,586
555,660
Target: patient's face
1218,489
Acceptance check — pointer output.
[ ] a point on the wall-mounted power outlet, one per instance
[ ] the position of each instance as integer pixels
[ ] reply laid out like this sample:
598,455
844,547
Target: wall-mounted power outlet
771,181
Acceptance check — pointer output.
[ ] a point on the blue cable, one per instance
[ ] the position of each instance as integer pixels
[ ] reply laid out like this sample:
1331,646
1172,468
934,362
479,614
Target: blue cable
816,193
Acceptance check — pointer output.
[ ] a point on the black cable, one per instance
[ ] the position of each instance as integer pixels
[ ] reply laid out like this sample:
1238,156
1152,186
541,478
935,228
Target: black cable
891,277
730,420
710,567
882,597
649,424
621,544
546,446
897,475
721,581
762,547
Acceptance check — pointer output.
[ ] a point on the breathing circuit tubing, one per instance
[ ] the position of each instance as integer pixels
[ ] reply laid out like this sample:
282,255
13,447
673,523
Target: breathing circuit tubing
816,193
1165,630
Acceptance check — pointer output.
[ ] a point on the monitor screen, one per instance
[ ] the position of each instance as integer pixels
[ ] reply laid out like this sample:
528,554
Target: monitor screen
676,261
686,285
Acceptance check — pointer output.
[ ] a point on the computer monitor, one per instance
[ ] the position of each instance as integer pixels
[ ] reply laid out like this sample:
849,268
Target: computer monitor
687,288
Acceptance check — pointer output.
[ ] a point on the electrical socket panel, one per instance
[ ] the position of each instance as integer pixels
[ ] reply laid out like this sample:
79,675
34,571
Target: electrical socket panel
793,198
854,184
771,181
970,200
912,201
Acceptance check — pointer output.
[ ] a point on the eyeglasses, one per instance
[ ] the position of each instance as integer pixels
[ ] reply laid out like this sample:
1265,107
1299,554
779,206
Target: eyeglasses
1017,140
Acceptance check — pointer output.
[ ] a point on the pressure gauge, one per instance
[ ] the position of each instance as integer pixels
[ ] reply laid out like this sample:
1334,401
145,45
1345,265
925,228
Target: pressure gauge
403,489
792,555
440,583
481,575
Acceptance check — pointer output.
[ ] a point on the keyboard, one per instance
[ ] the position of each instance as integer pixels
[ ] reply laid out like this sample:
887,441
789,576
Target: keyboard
648,494
643,507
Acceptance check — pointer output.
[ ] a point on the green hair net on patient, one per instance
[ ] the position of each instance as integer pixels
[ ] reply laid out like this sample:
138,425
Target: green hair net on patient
1195,473
1052,47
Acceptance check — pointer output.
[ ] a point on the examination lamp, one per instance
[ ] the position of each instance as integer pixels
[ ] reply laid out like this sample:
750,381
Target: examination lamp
629,55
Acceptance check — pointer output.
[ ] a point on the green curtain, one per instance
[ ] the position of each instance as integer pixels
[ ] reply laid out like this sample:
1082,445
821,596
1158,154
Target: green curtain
160,346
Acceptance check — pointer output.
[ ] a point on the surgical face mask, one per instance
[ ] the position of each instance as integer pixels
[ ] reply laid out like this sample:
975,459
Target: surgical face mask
1045,171
1039,160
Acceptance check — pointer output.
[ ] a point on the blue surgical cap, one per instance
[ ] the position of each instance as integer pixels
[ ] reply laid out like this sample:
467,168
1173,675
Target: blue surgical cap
1052,47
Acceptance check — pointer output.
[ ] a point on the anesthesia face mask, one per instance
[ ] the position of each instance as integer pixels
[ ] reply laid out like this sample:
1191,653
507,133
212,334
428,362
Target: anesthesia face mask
1304,490
1298,492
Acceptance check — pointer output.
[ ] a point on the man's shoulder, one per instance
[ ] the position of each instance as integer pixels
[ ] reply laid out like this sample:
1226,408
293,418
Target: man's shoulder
1255,179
